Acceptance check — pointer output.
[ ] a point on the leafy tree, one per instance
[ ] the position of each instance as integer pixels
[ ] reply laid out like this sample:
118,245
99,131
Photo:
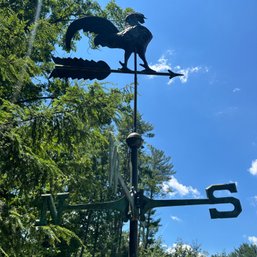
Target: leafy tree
155,250
54,137
181,249
155,168
244,250
223,254
53,133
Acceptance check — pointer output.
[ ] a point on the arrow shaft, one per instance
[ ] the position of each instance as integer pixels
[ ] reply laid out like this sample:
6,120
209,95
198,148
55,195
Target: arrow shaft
120,205
94,69
154,73
76,68
163,203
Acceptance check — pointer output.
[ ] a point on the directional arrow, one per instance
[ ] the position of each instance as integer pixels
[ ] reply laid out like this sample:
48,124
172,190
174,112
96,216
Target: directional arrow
84,69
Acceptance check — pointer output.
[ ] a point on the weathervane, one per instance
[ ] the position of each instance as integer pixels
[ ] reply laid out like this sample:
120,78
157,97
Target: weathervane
134,39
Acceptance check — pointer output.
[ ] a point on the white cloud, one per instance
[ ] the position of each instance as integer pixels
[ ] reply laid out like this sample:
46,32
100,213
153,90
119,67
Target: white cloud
187,249
254,201
163,65
188,71
174,187
253,168
231,110
236,89
175,218
252,239
172,250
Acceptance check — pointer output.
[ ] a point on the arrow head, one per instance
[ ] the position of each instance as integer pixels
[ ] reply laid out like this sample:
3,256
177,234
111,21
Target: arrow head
173,74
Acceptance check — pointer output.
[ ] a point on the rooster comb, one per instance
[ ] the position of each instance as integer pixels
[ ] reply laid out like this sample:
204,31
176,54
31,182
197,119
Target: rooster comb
137,15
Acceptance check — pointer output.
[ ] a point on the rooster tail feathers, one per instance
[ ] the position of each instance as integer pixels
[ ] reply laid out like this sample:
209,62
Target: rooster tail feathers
71,31
69,35
93,24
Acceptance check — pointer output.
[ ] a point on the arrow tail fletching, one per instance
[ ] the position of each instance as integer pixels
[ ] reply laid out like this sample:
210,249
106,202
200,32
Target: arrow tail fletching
77,68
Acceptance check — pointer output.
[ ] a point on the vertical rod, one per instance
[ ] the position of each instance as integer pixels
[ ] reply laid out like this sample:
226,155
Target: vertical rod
135,93
133,233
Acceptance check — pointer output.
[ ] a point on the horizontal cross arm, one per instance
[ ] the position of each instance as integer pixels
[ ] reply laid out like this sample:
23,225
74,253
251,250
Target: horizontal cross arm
119,205
56,210
146,203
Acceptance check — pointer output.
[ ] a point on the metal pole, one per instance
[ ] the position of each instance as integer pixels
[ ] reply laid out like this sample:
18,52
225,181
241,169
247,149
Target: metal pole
135,92
133,233
134,141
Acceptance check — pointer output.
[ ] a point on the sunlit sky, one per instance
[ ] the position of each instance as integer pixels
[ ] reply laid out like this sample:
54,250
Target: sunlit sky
207,120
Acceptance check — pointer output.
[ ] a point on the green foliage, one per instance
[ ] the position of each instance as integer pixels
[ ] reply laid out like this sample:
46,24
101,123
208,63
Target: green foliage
244,250
223,254
54,137
181,249
116,14
155,168
156,249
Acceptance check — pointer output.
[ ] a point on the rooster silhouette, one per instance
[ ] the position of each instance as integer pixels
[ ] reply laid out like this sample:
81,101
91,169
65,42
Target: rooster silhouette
134,38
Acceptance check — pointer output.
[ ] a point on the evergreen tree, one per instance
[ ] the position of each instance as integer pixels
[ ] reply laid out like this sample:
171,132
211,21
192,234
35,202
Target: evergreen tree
244,250
181,249
54,137
155,168
53,133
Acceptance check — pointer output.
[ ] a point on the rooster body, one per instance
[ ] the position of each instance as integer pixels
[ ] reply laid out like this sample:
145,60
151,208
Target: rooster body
134,38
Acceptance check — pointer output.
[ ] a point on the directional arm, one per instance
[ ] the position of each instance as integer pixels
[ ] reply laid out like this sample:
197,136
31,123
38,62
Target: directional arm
56,210
147,204
141,202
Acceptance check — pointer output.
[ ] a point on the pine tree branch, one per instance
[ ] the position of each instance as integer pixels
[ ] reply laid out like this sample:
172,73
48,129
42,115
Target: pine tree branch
35,99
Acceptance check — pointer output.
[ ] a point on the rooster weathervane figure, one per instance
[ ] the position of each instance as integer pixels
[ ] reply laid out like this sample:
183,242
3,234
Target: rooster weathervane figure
134,38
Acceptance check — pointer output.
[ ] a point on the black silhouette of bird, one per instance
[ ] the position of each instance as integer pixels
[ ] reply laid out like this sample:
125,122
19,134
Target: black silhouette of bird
134,38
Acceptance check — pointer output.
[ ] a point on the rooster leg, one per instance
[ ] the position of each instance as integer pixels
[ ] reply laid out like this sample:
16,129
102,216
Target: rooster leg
126,57
145,65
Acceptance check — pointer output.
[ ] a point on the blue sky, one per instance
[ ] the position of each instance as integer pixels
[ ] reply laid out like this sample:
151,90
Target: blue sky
207,120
